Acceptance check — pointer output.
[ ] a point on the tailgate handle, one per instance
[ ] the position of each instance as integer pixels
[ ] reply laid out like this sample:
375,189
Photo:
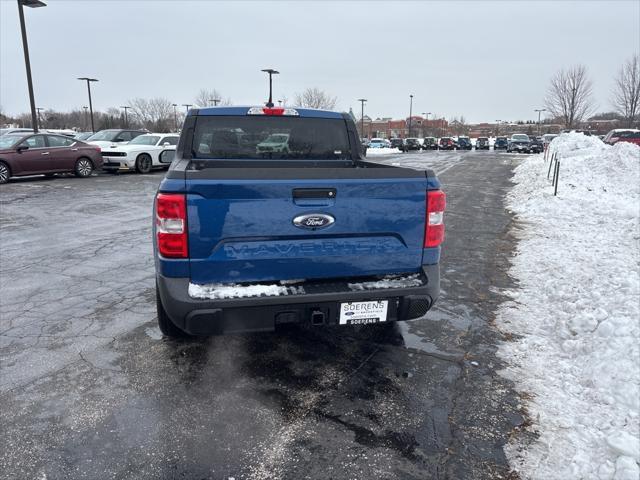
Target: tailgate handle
310,193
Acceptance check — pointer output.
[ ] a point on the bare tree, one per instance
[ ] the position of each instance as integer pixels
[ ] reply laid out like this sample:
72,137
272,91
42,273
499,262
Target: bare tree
626,92
155,114
316,98
570,95
205,98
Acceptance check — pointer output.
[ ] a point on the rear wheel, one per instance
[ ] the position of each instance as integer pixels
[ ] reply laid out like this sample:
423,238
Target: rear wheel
143,163
167,327
5,173
84,168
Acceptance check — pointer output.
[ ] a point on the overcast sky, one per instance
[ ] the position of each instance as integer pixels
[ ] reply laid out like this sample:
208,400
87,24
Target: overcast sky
483,60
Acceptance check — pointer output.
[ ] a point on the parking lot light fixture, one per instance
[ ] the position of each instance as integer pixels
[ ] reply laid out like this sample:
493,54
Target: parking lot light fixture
187,106
539,110
426,121
175,115
89,80
362,102
27,62
215,101
126,119
86,109
410,112
271,72
498,126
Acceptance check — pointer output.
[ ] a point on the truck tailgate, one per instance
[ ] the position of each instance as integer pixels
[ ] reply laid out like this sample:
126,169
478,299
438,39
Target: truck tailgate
242,229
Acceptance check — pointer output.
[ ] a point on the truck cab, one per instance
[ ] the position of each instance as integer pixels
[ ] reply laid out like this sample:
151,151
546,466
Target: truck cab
306,231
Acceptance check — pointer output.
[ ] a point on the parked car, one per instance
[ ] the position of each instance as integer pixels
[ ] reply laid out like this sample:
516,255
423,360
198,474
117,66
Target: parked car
274,143
501,143
547,138
107,138
379,143
446,143
397,143
430,143
464,143
519,143
412,144
82,135
319,242
535,145
630,135
140,154
482,143
34,154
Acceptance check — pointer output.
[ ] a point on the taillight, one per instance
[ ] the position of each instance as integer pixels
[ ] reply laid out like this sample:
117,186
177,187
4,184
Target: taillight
171,225
436,203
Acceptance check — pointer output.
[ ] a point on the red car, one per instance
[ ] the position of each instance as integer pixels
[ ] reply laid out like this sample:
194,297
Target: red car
446,143
630,135
44,153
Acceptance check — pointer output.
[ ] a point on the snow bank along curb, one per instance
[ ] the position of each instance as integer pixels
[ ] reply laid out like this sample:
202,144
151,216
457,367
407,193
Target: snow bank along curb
576,313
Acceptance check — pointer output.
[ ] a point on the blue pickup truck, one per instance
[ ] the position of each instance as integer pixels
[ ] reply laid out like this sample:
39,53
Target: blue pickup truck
271,216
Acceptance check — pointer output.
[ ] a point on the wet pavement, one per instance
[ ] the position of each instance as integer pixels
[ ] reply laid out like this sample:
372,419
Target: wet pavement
90,389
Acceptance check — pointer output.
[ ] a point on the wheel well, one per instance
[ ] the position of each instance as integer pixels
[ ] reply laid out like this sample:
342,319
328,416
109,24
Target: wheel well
141,154
86,158
6,164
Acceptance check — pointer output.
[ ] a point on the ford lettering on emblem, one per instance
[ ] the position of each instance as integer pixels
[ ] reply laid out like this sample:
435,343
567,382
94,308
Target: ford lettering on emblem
313,221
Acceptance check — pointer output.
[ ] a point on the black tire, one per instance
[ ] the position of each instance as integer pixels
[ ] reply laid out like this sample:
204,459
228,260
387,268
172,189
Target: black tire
5,173
83,168
143,163
167,327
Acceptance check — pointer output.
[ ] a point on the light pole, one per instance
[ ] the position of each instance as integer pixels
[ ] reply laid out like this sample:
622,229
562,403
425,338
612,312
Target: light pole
362,102
126,118
539,110
89,80
271,72
498,127
27,63
187,105
85,108
215,101
410,112
175,115
38,114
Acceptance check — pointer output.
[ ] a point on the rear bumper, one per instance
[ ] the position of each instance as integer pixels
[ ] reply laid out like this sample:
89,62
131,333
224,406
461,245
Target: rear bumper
255,314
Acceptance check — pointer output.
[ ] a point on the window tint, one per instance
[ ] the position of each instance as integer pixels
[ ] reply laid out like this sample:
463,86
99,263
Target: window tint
124,137
265,137
57,141
37,141
169,140
135,134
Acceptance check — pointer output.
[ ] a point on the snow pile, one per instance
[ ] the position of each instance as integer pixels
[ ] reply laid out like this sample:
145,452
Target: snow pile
214,291
575,317
381,151
388,282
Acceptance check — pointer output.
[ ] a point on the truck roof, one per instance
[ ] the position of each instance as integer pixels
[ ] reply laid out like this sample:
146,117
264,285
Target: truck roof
242,110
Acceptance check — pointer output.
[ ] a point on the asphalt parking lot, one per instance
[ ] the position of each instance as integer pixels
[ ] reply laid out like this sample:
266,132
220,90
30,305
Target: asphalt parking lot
90,389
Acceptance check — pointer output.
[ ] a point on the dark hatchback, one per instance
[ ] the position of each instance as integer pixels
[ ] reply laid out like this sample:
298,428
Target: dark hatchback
412,144
397,143
43,153
501,143
464,143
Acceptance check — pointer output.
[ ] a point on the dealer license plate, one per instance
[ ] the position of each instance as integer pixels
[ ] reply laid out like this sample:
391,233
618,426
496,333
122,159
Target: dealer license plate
362,313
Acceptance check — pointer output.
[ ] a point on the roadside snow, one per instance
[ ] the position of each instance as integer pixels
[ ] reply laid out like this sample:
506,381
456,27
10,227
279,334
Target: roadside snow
381,151
576,313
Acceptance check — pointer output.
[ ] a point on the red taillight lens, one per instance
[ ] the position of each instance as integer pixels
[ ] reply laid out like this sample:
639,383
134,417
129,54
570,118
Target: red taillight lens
273,111
436,203
171,225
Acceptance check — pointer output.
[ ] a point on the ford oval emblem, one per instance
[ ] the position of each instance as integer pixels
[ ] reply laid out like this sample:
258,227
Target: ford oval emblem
313,221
